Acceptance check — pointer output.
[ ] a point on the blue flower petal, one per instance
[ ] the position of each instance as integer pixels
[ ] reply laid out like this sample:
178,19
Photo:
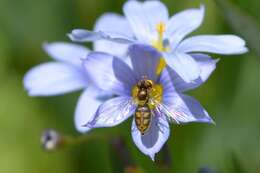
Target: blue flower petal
53,79
197,111
86,109
167,81
182,24
111,22
184,65
113,112
110,73
152,142
143,18
81,35
221,44
145,60
206,64
183,109
66,52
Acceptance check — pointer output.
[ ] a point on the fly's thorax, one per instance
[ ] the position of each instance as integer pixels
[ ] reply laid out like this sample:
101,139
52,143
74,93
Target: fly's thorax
142,95
149,94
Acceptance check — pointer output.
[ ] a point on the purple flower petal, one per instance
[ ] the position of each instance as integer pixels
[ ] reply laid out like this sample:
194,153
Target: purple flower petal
66,52
184,65
111,22
182,24
198,112
113,112
86,109
145,60
53,79
81,35
109,73
152,142
183,109
221,44
206,64
167,82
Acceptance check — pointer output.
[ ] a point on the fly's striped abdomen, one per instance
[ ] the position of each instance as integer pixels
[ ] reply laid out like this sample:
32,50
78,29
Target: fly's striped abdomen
143,118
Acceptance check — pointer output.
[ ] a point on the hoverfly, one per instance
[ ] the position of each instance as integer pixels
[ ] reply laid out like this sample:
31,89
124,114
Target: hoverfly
143,114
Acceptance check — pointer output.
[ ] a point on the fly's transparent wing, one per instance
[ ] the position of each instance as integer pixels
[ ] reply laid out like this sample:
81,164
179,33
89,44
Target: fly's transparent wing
176,114
113,112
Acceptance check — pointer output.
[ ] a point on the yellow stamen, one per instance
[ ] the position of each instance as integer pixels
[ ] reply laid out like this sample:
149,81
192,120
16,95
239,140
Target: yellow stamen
158,44
161,65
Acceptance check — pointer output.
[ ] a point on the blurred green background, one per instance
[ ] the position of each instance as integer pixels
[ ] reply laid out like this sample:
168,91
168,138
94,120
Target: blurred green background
231,95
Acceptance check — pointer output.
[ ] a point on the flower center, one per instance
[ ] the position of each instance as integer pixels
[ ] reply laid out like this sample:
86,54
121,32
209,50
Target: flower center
151,95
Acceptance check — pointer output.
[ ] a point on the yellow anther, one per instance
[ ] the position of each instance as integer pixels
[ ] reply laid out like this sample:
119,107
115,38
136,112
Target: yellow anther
155,94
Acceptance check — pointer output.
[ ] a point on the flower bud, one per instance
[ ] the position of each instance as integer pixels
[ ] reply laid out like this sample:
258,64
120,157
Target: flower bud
50,139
